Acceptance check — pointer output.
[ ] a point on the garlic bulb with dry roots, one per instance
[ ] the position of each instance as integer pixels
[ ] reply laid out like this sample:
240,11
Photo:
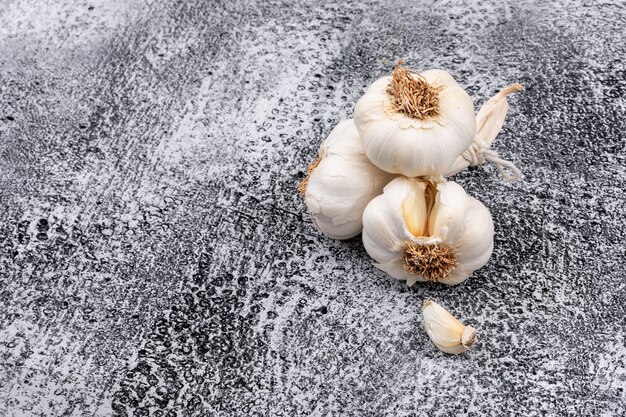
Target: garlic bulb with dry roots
489,121
427,229
446,332
341,183
415,124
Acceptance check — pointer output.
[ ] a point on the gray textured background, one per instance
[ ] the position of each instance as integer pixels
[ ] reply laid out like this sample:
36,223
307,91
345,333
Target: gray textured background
156,260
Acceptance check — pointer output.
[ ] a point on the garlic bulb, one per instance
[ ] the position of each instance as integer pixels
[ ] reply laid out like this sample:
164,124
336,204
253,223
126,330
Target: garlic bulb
446,332
341,183
427,230
415,124
489,121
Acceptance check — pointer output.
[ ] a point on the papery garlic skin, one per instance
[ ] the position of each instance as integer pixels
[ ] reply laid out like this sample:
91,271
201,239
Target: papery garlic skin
445,331
342,184
489,121
398,143
431,226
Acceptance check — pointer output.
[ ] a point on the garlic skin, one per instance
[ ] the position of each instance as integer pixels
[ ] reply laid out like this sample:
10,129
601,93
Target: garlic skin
342,183
418,144
427,230
489,121
445,331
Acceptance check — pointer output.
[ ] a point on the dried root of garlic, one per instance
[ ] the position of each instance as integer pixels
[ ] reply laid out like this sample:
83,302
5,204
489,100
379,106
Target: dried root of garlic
446,332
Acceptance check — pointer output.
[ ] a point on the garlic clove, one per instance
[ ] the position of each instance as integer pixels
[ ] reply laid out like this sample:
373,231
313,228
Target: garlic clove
445,331
380,235
448,214
466,224
414,209
475,244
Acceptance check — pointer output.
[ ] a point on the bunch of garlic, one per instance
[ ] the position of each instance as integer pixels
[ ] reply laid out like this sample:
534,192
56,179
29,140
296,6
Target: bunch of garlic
426,229
341,182
415,124
383,174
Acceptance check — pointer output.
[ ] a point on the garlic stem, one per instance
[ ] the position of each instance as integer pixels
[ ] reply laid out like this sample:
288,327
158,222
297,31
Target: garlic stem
489,121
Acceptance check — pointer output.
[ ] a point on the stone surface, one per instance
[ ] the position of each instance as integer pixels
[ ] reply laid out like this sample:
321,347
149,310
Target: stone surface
156,260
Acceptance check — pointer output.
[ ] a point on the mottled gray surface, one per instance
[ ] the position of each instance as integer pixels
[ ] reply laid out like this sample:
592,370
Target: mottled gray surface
155,259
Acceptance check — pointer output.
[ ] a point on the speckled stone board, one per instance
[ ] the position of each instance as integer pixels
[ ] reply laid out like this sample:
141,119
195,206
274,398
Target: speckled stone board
155,258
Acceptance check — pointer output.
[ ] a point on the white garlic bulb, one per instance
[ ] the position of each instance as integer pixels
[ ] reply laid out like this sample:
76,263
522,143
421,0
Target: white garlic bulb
446,332
415,124
489,121
341,183
426,229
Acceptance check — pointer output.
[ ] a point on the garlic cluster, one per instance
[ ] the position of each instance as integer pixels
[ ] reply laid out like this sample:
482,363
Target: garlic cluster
415,124
446,332
341,183
425,229
383,174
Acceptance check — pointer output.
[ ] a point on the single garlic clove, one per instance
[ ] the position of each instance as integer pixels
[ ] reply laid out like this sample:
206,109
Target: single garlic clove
415,210
446,332
384,228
